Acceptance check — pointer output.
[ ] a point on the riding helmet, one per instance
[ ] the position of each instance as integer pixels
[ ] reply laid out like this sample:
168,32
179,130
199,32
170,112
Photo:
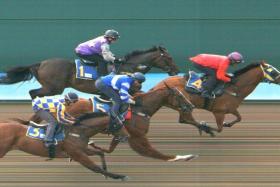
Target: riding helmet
71,96
139,77
236,57
112,34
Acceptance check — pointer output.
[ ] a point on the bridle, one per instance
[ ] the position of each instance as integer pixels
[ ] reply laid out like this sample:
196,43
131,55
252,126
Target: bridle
270,73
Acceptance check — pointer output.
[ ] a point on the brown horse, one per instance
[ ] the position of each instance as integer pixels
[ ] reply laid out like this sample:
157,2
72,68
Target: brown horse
57,74
247,80
13,137
138,126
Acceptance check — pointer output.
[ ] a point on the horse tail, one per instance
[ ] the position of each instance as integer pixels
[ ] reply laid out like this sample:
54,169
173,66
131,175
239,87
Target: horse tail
21,121
19,73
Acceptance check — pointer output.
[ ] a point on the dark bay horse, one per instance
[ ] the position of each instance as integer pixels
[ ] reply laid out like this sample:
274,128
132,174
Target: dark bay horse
57,74
13,137
247,80
138,125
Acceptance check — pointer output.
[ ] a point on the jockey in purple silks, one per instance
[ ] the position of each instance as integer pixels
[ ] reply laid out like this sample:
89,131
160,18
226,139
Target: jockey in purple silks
98,51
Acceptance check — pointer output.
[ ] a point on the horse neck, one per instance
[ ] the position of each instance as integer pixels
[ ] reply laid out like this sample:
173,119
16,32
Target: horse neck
141,59
248,81
153,100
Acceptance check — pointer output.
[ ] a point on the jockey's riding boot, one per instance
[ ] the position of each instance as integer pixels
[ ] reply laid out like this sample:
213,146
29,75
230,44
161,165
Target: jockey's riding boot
206,94
115,124
49,140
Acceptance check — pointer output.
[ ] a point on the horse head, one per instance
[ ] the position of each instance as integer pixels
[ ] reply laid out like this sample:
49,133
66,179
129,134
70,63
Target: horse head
270,73
143,61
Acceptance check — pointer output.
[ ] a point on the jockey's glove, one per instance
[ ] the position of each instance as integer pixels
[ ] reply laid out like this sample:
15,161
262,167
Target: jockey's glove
131,101
230,75
118,61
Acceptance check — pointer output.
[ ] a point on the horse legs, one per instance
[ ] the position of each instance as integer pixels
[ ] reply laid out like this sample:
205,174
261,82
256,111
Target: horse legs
41,92
142,146
238,118
91,151
80,155
114,143
219,120
187,118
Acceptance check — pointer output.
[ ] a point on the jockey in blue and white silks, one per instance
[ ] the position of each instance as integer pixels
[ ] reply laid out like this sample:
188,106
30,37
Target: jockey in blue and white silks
117,87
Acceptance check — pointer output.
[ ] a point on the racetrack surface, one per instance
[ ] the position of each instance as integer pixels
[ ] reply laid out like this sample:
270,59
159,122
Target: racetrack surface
247,154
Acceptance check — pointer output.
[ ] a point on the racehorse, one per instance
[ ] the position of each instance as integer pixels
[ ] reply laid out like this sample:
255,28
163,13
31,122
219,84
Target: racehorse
75,145
55,75
246,79
139,123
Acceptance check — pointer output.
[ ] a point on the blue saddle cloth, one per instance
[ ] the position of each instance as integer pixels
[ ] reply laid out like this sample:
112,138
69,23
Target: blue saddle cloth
101,105
38,132
195,81
84,71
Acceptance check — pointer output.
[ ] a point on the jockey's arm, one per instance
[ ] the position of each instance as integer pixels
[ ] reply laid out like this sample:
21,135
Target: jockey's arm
107,54
221,73
64,117
124,95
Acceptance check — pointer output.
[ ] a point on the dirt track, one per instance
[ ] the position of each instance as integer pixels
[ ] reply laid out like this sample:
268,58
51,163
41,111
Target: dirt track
248,154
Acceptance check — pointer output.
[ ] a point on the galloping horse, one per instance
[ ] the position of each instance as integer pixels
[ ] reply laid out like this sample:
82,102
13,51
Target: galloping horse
57,74
13,136
247,80
138,125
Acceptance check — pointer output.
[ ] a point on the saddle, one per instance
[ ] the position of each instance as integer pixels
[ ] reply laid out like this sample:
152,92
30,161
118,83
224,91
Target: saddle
38,131
196,82
87,62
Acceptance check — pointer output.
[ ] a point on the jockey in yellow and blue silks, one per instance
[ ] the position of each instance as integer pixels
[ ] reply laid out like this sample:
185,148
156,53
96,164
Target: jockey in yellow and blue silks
52,110
117,87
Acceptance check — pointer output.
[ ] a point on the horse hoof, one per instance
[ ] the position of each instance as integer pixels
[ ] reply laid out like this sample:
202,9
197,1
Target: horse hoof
203,123
225,124
125,178
183,158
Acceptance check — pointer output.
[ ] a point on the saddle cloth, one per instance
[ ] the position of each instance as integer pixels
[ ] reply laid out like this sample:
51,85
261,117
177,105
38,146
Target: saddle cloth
38,131
84,71
194,81
195,84
101,105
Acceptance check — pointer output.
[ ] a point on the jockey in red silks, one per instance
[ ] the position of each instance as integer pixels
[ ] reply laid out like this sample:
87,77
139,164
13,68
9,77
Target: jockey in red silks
215,67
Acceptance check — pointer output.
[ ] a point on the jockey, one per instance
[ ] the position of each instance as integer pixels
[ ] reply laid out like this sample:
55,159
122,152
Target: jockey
52,110
215,67
98,50
117,87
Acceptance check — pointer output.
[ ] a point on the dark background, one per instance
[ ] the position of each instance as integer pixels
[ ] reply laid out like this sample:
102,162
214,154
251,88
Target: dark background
33,30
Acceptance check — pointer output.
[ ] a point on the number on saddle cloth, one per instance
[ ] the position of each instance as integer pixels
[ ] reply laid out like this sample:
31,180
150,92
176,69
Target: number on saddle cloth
85,71
101,105
194,83
38,131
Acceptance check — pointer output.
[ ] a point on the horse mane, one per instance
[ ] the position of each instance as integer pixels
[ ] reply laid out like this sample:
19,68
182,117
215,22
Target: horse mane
139,52
246,68
91,115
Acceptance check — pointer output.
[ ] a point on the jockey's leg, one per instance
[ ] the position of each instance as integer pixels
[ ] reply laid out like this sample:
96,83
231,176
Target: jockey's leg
210,82
49,138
